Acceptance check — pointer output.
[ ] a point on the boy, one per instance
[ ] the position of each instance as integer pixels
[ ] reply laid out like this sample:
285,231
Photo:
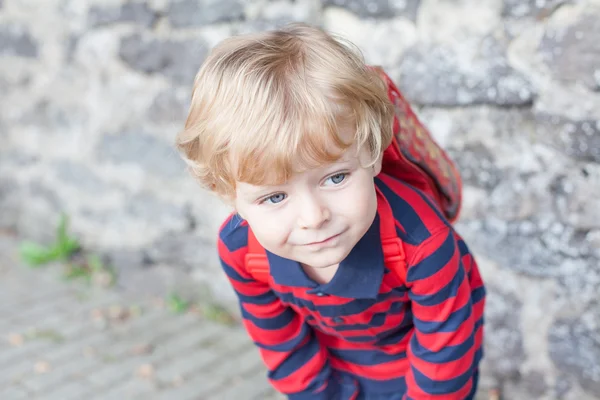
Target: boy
351,282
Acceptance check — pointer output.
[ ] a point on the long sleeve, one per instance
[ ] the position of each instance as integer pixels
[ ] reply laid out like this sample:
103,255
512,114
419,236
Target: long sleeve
298,364
442,350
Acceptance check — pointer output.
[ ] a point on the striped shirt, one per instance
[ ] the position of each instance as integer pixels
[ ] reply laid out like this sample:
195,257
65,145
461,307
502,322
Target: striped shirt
368,333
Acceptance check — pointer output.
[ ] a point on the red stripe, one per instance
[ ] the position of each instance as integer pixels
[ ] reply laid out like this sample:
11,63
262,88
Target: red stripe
300,379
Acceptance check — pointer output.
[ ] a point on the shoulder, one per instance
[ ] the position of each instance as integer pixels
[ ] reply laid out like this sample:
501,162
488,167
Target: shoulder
233,234
417,216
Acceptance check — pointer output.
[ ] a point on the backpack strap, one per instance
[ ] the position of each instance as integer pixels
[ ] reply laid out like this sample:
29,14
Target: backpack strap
256,260
393,249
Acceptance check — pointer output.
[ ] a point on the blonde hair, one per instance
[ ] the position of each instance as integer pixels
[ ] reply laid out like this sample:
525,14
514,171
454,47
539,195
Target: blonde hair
266,104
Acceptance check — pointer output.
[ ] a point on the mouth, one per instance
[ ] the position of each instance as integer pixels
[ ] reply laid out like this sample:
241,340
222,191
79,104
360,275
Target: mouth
329,239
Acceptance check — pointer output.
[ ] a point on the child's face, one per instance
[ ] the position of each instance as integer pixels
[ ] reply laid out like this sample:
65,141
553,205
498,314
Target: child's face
319,215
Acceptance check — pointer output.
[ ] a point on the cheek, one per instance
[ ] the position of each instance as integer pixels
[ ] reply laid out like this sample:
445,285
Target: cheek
269,228
359,201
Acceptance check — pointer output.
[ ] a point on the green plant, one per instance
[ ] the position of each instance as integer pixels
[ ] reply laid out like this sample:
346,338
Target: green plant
177,304
91,268
48,334
217,313
67,249
63,248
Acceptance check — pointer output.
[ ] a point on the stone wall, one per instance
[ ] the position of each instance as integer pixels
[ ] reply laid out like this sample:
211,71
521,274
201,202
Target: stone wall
93,93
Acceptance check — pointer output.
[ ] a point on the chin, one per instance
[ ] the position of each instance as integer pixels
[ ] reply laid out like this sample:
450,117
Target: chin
326,260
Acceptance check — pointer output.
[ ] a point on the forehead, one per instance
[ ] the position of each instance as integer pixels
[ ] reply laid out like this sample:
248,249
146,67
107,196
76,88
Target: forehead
349,157
274,161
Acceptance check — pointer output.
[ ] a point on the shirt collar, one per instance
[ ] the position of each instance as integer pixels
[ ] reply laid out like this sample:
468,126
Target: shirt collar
359,276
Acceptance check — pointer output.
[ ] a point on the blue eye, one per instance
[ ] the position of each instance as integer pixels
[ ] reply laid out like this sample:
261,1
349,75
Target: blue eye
337,178
276,198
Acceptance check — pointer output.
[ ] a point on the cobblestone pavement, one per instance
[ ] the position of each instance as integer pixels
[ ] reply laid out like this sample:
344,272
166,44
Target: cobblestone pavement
66,341
62,341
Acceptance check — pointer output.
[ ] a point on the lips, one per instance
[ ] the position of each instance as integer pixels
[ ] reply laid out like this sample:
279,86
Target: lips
323,241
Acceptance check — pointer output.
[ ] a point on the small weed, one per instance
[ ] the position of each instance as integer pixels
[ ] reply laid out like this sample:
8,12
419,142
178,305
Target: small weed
176,304
64,247
47,334
217,313
92,270
108,358
67,249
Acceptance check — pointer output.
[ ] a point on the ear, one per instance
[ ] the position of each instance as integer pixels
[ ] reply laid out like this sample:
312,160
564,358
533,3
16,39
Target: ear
378,165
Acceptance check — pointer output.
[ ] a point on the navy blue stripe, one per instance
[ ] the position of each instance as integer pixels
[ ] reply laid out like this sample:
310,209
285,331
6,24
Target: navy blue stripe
434,261
445,355
478,294
405,214
233,274
296,359
376,389
397,333
479,323
272,323
352,307
234,235
438,387
462,247
378,319
290,344
433,206
451,324
366,357
262,299
445,293
406,238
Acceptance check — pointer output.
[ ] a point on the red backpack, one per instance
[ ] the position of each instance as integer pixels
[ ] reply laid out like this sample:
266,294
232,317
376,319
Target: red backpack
413,157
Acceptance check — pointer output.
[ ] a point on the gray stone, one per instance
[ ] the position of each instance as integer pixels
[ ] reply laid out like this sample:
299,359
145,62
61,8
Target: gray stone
43,205
433,75
535,384
179,60
575,348
15,158
477,166
562,386
155,156
156,214
126,259
504,349
138,13
80,176
522,388
169,106
531,8
187,13
10,203
544,249
576,198
71,47
579,139
42,193
147,207
573,52
260,25
379,8
50,115
186,249
15,40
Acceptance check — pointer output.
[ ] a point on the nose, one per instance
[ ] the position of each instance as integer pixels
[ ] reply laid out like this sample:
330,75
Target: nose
313,212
